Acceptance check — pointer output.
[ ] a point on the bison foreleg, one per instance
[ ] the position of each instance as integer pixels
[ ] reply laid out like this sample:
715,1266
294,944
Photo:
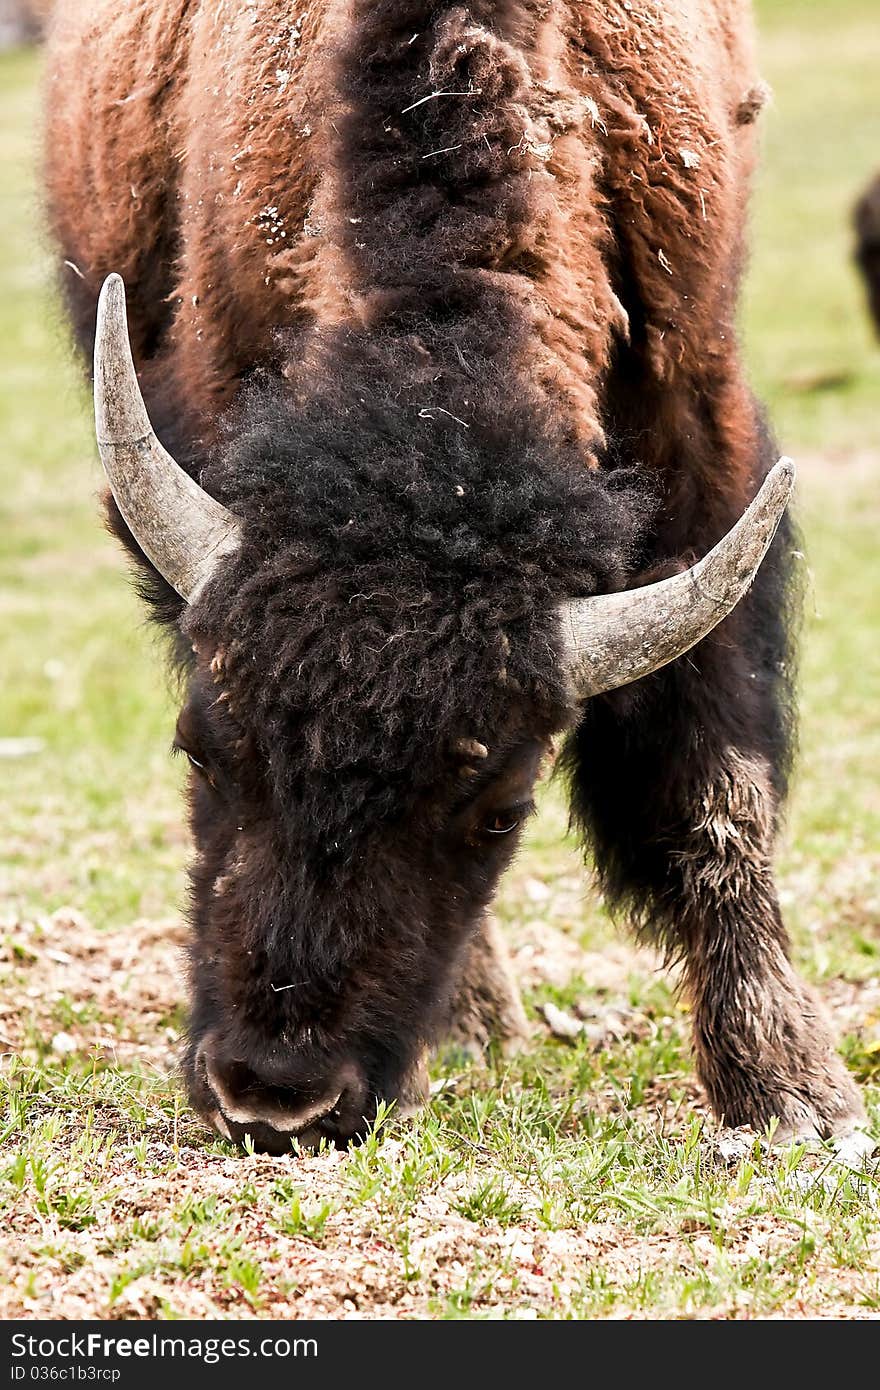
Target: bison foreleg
676,783
763,1046
485,1005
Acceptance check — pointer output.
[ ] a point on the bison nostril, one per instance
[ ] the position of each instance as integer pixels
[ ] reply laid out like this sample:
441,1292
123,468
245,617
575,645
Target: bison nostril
242,1101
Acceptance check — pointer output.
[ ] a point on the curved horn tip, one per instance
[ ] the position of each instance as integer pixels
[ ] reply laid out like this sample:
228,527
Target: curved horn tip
183,531
785,471
614,639
112,283
112,297
774,493
120,412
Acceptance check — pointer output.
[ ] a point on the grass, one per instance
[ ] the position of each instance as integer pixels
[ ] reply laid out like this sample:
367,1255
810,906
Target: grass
576,1180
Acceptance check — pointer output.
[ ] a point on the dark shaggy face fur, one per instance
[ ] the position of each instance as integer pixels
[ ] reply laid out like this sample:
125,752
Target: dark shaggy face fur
349,835
325,947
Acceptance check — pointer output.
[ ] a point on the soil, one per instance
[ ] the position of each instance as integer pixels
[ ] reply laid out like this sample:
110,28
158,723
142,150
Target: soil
117,996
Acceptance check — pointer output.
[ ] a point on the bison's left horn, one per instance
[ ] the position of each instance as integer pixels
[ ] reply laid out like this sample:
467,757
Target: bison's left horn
179,526
614,639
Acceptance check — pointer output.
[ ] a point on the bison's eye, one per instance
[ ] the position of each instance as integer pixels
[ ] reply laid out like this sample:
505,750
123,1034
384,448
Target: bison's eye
495,824
193,761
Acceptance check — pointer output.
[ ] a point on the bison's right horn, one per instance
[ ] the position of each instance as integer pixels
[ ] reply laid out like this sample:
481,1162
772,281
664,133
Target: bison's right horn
613,639
178,526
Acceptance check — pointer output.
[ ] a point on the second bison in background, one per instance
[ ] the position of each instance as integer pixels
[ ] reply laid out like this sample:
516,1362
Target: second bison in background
867,220
22,21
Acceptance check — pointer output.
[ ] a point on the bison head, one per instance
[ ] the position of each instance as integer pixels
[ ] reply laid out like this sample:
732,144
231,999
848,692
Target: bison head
382,649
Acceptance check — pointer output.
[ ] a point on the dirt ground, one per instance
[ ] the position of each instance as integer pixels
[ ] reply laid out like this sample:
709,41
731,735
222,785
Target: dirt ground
121,993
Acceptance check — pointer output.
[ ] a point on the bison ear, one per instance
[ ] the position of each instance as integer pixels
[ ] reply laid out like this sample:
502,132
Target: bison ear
614,639
180,528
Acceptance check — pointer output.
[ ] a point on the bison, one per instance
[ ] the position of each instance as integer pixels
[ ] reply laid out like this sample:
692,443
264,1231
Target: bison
867,225
432,308
21,21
